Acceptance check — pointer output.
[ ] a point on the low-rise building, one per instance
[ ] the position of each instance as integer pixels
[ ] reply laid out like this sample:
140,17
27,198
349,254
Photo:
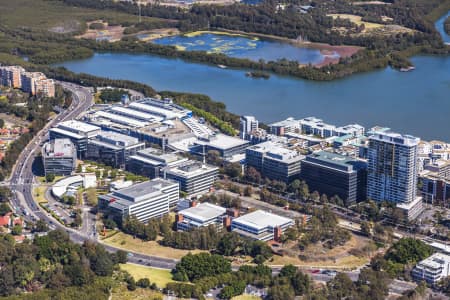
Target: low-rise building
274,161
334,174
201,215
113,148
432,269
151,161
146,200
226,146
78,132
59,157
261,225
194,177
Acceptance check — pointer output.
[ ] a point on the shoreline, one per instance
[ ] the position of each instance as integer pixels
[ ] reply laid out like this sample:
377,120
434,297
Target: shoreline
328,51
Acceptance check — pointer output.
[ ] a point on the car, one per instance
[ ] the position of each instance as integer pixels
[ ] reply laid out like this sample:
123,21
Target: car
130,255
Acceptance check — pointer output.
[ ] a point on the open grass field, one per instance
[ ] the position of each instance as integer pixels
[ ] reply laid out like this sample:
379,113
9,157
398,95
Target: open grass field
356,19
158,276
120,292
246,297
128,243
39,194
55,16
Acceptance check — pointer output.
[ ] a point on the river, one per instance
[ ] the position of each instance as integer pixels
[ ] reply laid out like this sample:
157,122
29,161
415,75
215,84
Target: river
415,102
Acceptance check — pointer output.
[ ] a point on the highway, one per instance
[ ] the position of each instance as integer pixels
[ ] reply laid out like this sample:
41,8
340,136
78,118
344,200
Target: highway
22,179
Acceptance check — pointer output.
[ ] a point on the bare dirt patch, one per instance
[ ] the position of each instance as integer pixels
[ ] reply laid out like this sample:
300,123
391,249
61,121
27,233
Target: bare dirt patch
108,33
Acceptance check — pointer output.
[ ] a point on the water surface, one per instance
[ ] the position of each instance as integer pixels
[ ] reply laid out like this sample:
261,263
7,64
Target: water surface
415,102
244,47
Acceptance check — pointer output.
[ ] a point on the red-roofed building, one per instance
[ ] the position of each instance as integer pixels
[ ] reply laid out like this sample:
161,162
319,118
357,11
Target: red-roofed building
5,220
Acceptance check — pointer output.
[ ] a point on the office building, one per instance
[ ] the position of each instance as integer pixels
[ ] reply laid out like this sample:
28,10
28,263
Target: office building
247,125
432,269
392,170
226,146
261,225
146,200
274,161
200,215
10,76
78,132
113,148
194,177
151,161
59,157
282,127
335,175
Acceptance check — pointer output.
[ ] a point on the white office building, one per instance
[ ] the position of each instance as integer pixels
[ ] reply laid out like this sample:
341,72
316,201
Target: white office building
78,132
432,269
146,200
261,225
247,125
200,215
194,177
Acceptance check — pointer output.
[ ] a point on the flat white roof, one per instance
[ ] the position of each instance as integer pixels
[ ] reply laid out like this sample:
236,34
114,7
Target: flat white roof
203,212
120,119
262,219
67,133
135,113
222,141
79,126
169,114
190,168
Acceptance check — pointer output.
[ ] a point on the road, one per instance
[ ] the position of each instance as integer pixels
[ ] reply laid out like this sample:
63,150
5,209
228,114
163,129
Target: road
22,179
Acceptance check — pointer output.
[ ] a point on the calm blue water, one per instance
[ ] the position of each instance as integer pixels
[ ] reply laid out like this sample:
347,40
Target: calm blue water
415,102
244,47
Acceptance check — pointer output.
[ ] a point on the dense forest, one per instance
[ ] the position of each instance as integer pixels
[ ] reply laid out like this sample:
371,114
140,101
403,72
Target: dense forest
52,266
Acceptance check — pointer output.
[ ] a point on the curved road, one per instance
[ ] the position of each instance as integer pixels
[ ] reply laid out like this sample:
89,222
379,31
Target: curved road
22,179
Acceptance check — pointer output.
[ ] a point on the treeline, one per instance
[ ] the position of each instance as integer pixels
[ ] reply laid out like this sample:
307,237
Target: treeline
37,111
210,271
204,103
53,262
112,95
447,25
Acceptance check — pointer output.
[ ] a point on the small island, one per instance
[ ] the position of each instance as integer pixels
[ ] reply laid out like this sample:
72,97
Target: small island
258,74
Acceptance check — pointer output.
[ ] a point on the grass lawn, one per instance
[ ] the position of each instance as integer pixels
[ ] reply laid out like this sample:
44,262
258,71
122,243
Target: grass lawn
121,292
246,297
128,243
42,179
159,276
357,20
41,14
39,194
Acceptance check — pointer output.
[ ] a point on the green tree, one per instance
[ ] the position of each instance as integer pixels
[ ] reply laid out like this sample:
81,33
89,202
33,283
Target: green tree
49,177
